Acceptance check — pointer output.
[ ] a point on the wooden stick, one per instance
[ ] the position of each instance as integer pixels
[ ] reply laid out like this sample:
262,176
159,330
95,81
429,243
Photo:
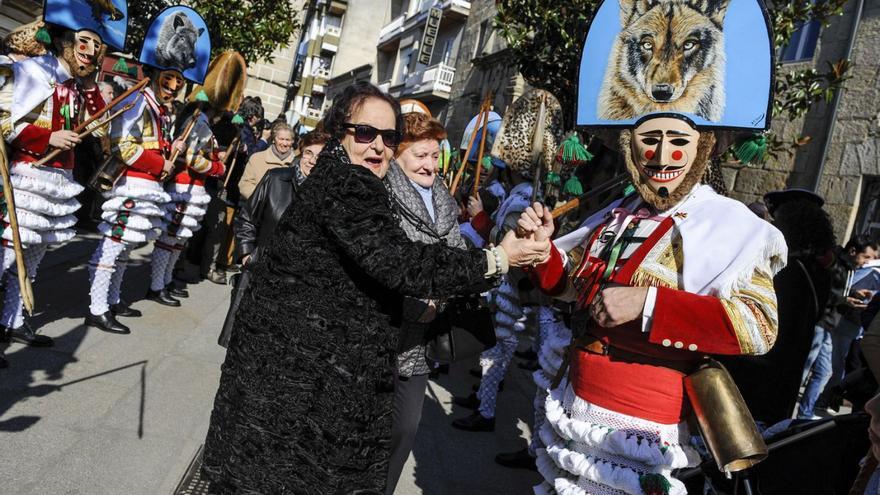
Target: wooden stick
232,165
24,283
464,159
615,181
137,87
81,134
538,148
480,153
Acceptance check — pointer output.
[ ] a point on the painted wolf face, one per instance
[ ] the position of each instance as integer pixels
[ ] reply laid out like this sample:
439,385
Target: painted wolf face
669,56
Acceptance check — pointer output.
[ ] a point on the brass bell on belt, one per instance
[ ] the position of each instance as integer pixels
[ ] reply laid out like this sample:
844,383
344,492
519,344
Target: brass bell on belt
726,424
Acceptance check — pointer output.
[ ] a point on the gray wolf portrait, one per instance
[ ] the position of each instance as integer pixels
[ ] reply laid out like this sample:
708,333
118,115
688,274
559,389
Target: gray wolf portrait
668,56
176,47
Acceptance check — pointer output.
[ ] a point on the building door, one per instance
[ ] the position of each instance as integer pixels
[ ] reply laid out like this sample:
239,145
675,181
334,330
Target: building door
868,217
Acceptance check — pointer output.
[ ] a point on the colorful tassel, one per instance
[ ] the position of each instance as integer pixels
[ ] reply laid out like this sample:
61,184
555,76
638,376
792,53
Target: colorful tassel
630,189
202,96
572,153
43,36
751,149
573,186
654,484
553,178
237,119
487,163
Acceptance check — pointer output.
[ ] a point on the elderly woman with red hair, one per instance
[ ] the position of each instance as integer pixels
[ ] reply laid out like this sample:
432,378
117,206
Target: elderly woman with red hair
428,214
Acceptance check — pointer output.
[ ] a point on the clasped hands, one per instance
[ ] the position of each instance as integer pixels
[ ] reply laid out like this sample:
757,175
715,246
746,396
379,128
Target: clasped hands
529,244
612,306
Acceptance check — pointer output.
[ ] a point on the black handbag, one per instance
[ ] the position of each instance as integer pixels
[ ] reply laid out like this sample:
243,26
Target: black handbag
464,329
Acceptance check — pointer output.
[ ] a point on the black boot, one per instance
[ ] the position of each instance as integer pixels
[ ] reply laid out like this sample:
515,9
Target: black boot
26,335
469,402
527,354
521,459
474,422
3,362
122,308
162,297
176,292
107,323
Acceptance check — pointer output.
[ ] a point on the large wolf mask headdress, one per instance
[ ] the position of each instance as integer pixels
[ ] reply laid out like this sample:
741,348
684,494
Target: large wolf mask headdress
670,73
178,40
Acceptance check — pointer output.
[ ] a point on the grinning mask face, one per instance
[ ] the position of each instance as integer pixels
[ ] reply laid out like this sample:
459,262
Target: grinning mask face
167,85
666,157
82,52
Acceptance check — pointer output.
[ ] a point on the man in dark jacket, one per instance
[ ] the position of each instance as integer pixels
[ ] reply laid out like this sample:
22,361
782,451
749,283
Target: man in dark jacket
256,220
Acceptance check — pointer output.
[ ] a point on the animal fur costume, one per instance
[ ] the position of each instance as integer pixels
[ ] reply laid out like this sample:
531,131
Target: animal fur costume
38,97
616,416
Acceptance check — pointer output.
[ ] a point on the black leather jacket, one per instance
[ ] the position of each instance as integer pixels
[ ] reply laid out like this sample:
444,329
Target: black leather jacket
256,220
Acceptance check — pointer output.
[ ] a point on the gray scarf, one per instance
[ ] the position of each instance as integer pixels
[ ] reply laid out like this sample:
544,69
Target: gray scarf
414,217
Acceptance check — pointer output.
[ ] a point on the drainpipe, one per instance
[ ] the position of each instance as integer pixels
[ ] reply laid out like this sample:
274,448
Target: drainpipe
835,102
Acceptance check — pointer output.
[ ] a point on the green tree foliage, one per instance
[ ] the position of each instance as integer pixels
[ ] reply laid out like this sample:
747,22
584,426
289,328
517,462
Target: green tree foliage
546,37
254,28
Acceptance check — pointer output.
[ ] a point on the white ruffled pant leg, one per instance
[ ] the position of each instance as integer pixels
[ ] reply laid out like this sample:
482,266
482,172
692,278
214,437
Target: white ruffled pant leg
114,294
8,254
172,262
104,265
494,362
12,315
159,261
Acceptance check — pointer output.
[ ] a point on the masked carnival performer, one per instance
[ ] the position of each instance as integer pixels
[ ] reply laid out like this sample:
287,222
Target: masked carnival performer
666,276
513,145
202,159
173,49
42,100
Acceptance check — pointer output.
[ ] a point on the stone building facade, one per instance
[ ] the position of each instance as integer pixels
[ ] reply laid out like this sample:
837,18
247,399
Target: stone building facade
14,13
850,178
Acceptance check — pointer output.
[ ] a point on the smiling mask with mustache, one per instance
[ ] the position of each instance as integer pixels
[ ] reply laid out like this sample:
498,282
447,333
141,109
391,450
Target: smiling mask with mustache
666,157
167,85
82,51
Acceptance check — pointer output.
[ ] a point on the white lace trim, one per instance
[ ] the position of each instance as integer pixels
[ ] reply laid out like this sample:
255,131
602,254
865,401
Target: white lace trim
137,188
594,467
633,438
189,193
52,182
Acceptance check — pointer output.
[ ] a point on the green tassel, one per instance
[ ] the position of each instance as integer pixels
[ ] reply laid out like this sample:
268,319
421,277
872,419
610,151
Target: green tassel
654,484
751,149
202,96
487,163
572,152
237,119
43,36
120,66
553,178
573,186
630,189
65,112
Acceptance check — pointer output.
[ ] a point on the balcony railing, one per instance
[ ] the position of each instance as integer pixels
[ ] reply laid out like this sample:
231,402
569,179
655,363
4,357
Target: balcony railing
321,72
392,29
434,79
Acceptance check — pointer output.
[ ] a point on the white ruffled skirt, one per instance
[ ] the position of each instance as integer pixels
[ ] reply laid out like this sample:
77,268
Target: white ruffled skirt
590,450
133,210
44,204
183,214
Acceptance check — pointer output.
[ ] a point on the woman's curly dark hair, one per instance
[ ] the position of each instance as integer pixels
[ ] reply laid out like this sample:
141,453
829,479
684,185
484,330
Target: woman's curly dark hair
250,107
805,226
349,101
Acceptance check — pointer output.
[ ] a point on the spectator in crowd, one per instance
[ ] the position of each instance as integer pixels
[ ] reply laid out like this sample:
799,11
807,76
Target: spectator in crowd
833,329
279,154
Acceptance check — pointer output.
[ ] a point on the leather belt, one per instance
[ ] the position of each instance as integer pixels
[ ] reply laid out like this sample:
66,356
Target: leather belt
591,344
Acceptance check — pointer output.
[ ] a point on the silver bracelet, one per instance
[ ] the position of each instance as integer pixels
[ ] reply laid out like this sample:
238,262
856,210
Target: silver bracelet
497,256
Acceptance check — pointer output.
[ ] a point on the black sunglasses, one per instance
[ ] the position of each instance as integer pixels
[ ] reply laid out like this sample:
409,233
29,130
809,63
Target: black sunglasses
364,134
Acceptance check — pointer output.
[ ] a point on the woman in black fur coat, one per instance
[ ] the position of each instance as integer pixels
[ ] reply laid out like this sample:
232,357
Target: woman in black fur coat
300,408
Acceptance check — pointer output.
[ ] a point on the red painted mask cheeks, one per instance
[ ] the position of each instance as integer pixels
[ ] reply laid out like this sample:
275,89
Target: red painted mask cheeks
82,57
167,85
664,148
